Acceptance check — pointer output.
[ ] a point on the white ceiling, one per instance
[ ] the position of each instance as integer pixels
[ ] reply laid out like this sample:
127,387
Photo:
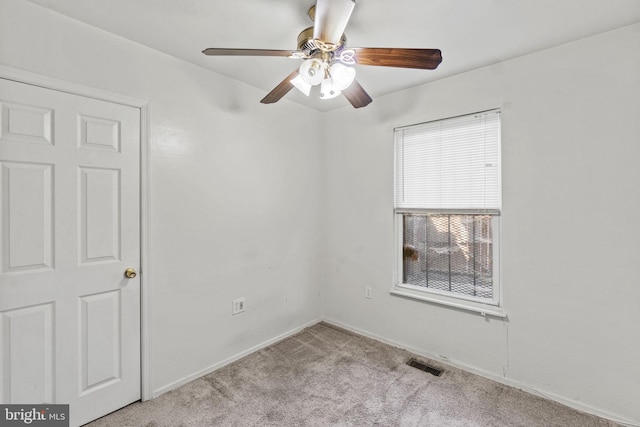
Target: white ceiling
470,33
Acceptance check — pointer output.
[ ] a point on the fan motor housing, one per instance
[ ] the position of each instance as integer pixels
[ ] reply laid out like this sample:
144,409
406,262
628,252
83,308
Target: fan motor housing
307,43
305,40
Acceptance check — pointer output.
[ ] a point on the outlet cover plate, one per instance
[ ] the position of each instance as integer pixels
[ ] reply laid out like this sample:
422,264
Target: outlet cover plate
237,306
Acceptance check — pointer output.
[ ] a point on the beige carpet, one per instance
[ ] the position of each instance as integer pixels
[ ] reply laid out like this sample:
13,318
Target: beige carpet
325,376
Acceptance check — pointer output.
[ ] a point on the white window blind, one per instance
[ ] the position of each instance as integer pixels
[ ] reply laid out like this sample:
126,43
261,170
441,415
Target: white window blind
449,165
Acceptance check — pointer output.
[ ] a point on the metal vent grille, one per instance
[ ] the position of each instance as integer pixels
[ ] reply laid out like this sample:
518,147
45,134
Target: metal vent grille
451,253
423,367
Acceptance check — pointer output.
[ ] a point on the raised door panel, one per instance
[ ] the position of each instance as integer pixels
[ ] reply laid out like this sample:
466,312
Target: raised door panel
26,123
27,217
100,231
99,133
100,340
26,355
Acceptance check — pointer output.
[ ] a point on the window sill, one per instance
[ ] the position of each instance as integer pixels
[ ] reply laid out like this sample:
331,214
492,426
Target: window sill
483,310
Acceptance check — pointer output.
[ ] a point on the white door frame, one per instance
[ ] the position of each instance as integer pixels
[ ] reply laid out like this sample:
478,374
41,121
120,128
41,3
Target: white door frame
27,77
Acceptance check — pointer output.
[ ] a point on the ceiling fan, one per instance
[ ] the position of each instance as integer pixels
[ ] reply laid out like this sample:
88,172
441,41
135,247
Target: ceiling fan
326,60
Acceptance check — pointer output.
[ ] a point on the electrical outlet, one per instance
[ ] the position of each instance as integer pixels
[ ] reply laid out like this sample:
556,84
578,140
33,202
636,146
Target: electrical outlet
367,292
237,306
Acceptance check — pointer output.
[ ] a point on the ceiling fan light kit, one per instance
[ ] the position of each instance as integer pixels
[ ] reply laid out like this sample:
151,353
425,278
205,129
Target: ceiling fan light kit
333,77
326,61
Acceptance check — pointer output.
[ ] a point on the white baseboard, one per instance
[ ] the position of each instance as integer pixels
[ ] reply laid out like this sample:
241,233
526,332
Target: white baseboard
489,375
208,370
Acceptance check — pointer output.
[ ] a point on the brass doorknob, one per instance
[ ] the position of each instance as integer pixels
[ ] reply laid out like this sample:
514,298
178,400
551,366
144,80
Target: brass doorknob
130,273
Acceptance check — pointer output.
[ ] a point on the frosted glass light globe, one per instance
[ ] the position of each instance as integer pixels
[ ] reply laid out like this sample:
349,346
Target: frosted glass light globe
342,75
312,71
302,86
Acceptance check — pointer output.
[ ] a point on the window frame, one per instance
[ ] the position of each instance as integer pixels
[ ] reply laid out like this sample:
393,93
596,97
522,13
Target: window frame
483,306
443,297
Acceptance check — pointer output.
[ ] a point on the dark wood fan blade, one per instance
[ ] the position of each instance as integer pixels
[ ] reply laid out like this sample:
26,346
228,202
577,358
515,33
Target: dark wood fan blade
330,20
356,95
281,90
427,59
212,51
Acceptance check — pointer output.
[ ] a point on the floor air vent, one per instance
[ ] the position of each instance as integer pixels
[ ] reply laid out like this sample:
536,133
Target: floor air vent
419,365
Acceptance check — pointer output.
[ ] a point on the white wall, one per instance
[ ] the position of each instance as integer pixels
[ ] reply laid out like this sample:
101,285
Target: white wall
234,205
569,228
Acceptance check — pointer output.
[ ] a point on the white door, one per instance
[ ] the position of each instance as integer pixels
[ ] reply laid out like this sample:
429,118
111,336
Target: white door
69,228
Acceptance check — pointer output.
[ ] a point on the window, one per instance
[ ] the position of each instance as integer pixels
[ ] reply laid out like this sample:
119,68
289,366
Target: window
447,204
